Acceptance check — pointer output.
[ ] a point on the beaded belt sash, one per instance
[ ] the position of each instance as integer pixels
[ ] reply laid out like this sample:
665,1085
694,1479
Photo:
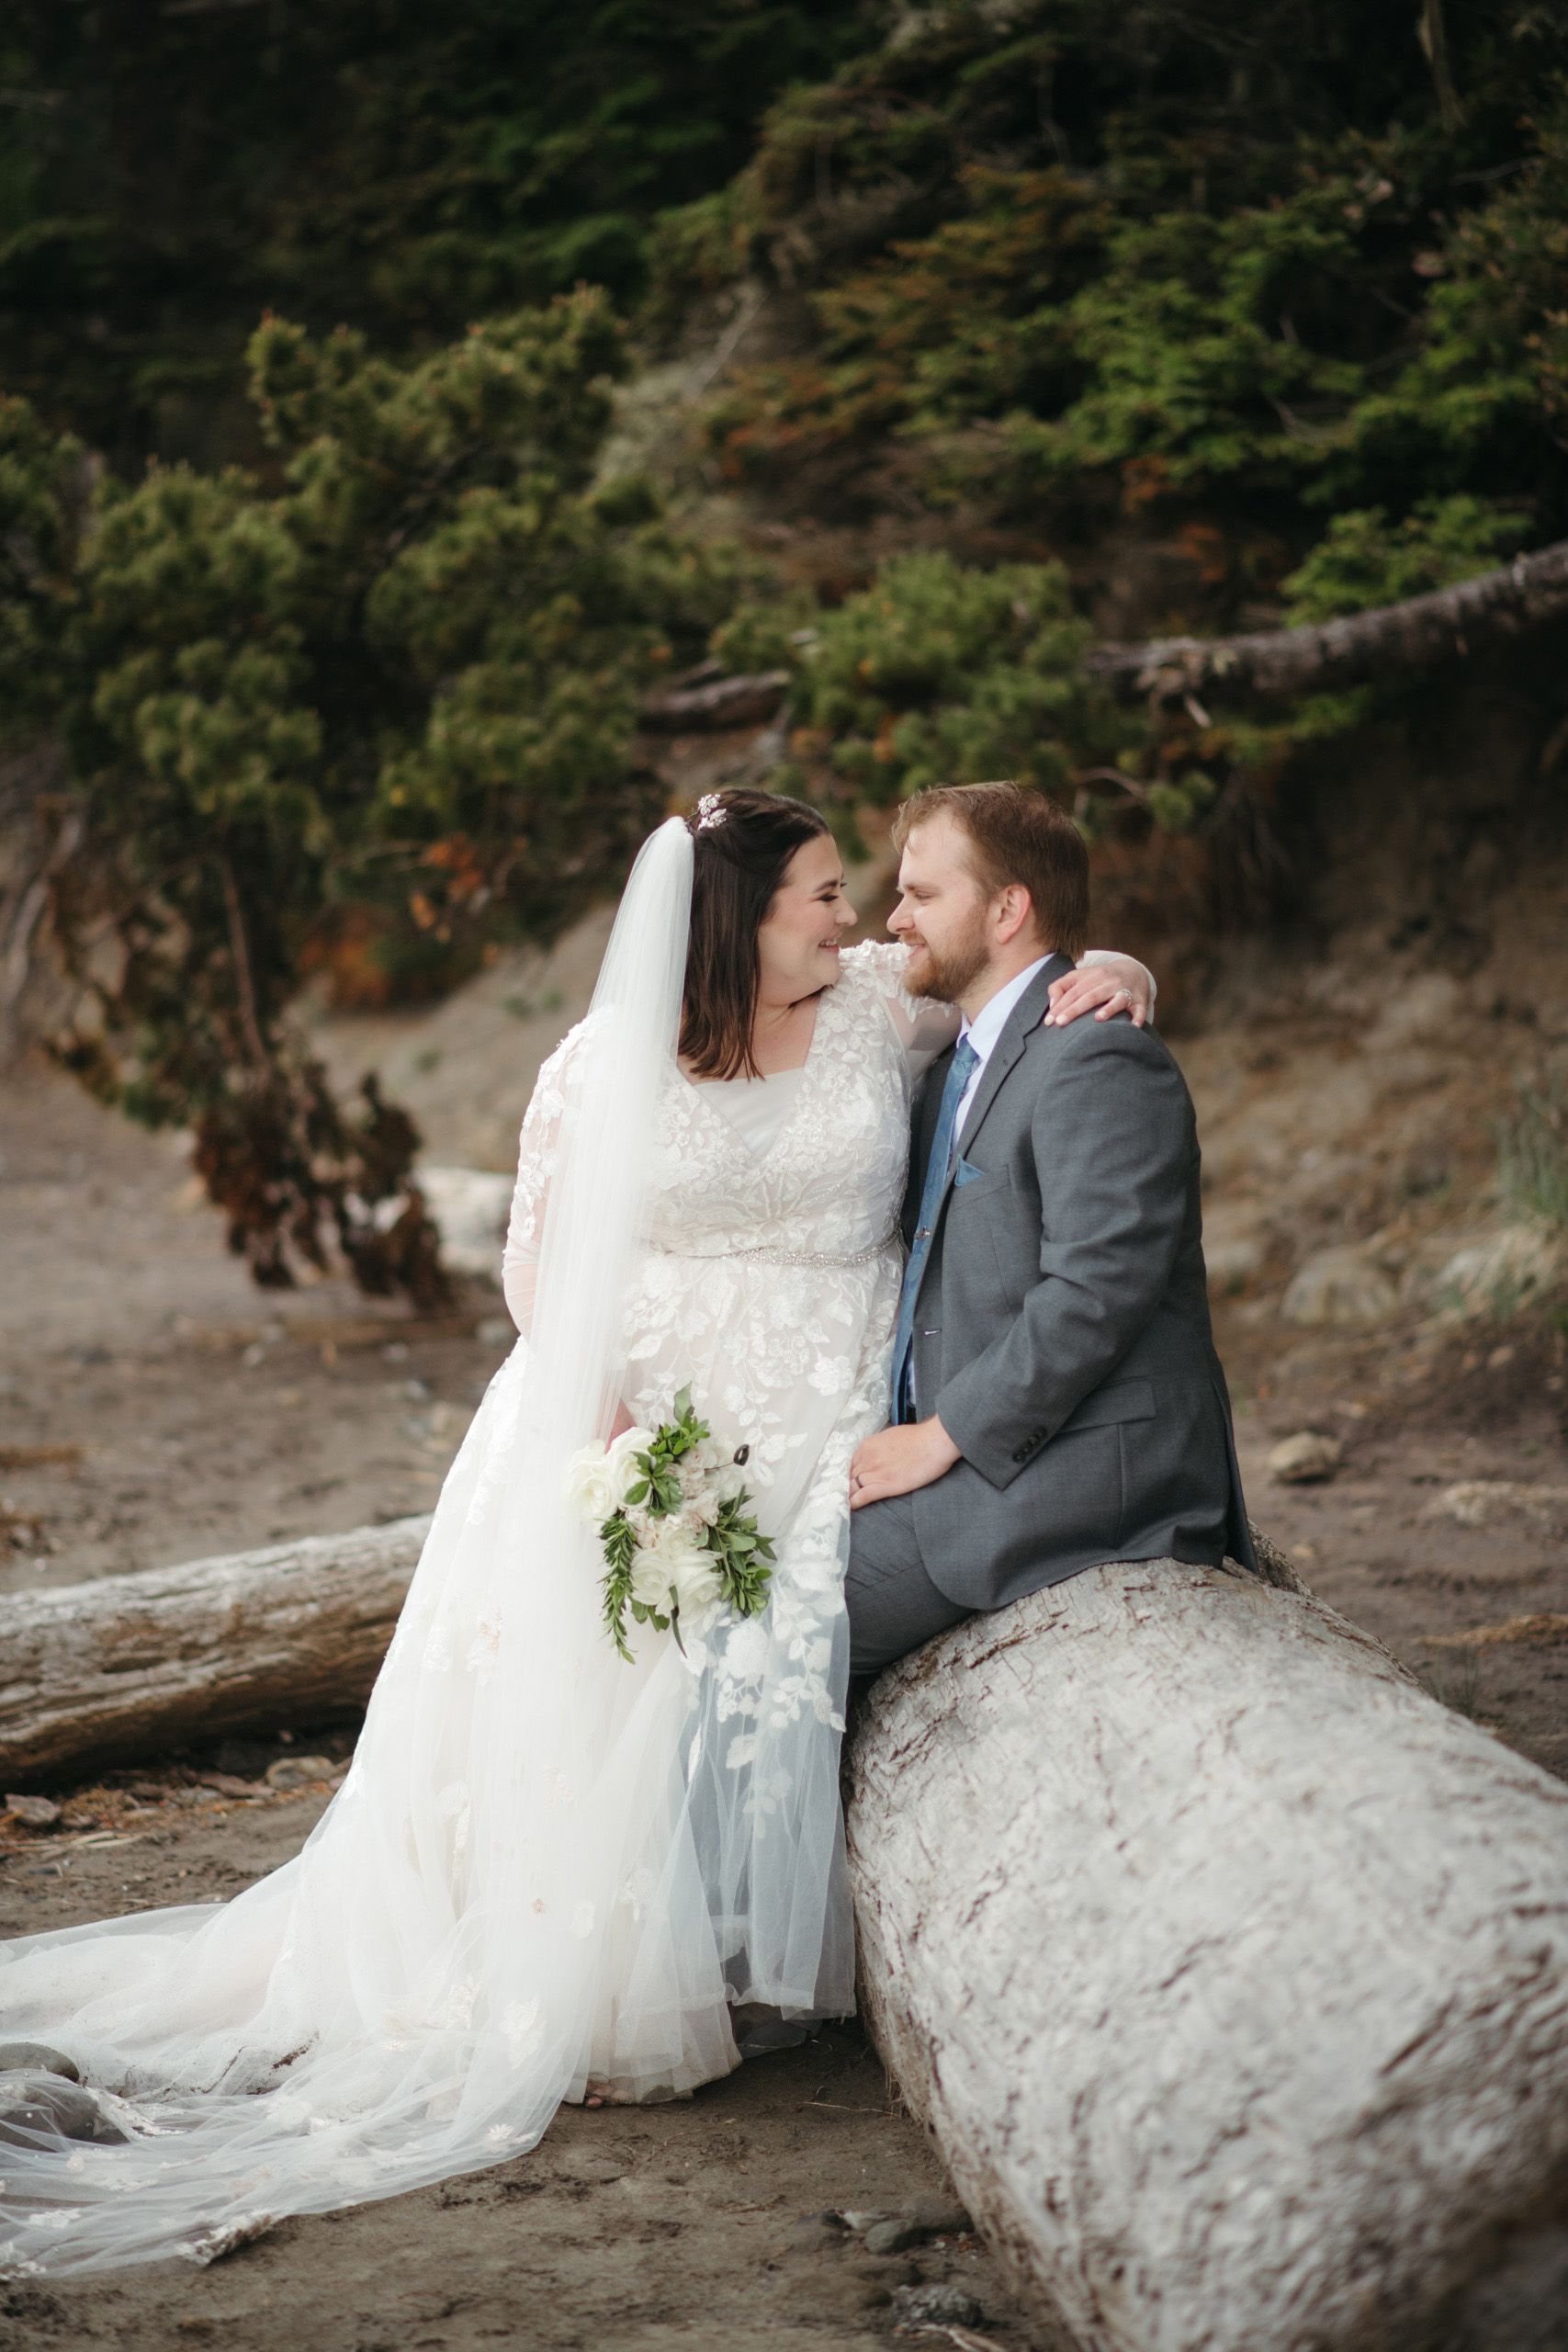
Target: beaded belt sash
763,1253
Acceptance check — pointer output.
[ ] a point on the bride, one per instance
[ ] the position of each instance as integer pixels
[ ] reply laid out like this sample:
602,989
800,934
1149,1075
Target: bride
549,1874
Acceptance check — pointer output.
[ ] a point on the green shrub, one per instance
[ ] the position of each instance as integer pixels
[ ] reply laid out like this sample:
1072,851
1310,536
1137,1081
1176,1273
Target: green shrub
1365,558
399,678
939,671
1532,1153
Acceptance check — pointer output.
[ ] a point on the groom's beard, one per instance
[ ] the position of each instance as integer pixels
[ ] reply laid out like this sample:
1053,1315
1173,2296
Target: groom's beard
947,976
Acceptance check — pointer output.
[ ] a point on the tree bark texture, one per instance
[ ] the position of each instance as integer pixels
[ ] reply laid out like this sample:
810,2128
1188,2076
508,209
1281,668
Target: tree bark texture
1229,1968
107,1672
1394,640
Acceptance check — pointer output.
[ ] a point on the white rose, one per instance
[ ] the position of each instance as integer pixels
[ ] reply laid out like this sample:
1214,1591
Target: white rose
698,1581
651,1581
590,1488
704,1501
621,1460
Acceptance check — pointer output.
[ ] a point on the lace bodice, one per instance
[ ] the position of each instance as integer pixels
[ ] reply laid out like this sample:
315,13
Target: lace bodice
829,1184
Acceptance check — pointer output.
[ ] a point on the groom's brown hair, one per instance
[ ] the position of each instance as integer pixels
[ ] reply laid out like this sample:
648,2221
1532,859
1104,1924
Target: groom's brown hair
1016,834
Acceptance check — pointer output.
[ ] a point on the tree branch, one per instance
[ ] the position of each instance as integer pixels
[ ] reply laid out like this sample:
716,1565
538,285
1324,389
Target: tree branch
1394,641
241,950
716,702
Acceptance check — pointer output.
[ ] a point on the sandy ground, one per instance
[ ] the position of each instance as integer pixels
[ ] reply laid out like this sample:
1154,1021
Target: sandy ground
700,2224
155,1406
198,1416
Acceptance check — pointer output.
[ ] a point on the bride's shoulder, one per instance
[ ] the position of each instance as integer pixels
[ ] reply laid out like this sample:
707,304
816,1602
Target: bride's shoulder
874,968
874,983
554,1079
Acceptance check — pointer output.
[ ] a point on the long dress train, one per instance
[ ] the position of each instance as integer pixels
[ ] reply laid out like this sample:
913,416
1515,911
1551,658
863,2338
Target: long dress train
545,1867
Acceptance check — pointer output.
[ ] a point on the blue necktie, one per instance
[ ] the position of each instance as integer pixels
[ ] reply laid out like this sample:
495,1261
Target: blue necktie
963,1060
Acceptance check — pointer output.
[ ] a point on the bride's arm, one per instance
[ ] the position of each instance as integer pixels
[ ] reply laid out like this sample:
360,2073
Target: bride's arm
537,1149
1104,983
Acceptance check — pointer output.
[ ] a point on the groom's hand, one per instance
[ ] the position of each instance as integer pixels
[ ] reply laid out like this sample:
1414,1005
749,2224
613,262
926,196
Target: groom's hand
896,1461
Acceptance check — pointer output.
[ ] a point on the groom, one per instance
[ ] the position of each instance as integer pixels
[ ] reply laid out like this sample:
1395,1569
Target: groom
1057,1396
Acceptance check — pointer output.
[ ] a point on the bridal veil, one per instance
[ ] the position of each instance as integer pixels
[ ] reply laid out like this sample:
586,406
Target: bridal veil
502,1901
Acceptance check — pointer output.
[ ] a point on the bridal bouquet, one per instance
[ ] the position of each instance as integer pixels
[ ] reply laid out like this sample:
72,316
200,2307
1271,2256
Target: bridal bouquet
671,1513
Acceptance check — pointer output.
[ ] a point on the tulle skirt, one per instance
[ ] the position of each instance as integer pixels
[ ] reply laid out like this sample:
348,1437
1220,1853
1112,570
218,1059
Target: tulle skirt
545,1869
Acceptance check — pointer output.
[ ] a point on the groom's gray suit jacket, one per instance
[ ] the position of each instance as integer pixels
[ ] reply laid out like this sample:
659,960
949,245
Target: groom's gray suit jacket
1062,1326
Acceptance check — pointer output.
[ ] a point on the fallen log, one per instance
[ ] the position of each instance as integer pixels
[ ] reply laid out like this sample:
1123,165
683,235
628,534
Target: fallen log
1391,642
728,700
1269,664
117,1670
107,1672
1229,1969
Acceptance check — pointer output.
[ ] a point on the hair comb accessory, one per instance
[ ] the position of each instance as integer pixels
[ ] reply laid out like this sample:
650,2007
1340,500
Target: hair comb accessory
711,811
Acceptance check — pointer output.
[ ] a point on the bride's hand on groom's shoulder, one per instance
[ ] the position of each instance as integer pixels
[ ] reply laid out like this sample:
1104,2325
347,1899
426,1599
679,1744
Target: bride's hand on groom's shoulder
897,1460
1112,985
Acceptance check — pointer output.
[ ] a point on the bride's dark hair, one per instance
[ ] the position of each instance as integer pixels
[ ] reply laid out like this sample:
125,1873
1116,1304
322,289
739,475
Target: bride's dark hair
744,842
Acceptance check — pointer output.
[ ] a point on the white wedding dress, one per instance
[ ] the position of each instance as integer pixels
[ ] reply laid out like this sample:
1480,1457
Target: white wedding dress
547,1868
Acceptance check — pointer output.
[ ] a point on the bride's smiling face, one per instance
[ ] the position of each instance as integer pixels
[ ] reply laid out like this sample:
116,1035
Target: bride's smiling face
799,938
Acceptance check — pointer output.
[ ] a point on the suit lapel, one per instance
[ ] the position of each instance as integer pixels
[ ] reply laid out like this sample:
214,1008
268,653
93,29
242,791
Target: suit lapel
1026,1016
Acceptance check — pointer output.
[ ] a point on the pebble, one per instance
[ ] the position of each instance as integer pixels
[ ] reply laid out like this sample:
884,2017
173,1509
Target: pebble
936,2305
1482,1502
895,2236
32,2102
298,1771
945,2217
37,2057
1305,1460
35,1812
1339,1285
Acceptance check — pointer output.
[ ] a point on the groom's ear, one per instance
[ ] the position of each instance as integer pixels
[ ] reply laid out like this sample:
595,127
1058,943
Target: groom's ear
1015,913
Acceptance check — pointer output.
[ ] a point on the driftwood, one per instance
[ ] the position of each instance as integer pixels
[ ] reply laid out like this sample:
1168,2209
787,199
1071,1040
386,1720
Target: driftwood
727,700
107,1672
1391,641
1229,1968
115,1670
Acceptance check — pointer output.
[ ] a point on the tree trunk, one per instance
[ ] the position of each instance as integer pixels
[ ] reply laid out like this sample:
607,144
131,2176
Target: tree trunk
724,701
1229,1968
1395,640
103,1673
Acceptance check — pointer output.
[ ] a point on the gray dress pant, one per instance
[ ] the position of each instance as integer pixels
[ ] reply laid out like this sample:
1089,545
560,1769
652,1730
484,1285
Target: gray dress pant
893,1604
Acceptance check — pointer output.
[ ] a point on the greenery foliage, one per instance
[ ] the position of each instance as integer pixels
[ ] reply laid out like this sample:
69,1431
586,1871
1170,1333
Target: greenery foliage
1246,262
169,173
347,678
400,677
938,670
1532,1152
